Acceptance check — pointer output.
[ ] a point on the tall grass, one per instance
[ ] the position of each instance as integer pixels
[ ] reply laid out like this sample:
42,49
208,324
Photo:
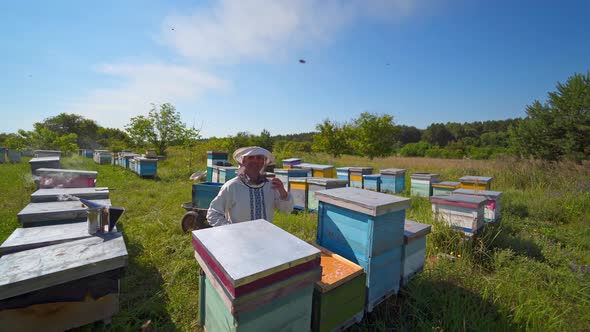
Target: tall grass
529,272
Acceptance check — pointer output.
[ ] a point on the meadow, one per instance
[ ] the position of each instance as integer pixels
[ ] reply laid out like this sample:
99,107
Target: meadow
531,271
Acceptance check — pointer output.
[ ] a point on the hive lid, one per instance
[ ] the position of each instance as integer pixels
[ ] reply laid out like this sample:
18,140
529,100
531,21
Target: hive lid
56,211
314,166
290,160
247,251
55,194
392,171
35,237
324,181
363,201
478,179
486,193
459,200
65,172
424,176
414,230
43,159
446,184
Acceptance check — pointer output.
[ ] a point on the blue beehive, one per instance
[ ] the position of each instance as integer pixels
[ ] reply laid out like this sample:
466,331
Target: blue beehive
214,158
203,193
393,180
414,250
343,173
146,166
367,228
290,163
356,176
3,154
226,173
372,182
421,184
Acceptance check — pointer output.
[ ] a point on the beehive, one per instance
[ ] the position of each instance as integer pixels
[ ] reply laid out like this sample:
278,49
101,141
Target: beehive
366,228
316,184
14,156
421,184
65,178
255,277
3,155
339,297
356,176
46,153
461,212
343,173
493,208
414,249
53,213
102,157
476,182
393,180
226,173
57,194
444,187
372,182
298,187
286,174
317,170
203,193
290,162
146,167
44,162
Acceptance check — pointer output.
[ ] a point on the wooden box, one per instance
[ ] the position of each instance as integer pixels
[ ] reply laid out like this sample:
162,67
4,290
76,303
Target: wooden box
226,173
65,178
356,176
444,187
102,157
286,174
414,249
3,155
461,212
14,156
476,182
57,194
421,184
53,213
298,188
319,171
44,162
339,297
289,163
316,184
213,157
203,193
61,286
146,167
393,180
343,173
492,210
372,182
125,158
46,153
367,228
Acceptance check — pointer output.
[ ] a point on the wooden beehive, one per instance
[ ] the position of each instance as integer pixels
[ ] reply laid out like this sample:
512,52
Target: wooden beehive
476,182
65,178
444,187
461,212
56,286
298,188
493,208
102,157
203,193
57,194
290,162
318,171
393,180
46,153
367,228
53,213
421,184
255,277
343,173
414,249
339,297
316,184
3,155
372,182
356,176
213,157
44,162
286,174
14,156
226,173
146,167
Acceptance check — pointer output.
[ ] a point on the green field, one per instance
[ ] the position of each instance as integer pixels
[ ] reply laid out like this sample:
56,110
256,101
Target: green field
530,272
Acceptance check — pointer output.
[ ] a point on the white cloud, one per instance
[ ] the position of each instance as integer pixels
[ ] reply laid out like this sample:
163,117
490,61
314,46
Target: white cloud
142,84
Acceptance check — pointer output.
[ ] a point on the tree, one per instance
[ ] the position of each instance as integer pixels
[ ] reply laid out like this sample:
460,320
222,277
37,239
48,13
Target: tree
63,124
560,128
438,134
408,134
330,138
374,135
160,129
264,140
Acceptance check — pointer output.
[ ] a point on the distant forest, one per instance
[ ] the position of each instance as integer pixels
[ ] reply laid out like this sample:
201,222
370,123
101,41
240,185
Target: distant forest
558,129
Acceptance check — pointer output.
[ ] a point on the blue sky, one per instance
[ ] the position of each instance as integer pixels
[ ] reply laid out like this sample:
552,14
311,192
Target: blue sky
231,66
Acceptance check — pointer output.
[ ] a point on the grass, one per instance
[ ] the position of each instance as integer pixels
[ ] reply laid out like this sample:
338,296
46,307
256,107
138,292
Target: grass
530,272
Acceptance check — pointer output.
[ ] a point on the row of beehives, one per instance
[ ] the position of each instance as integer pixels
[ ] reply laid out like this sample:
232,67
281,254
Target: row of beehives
258,277
57,272
9,155
139,164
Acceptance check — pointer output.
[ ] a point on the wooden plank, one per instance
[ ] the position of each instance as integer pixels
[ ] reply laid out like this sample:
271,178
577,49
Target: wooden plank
336,270
56,194
36,237
251,250
30,270
55,211
364,201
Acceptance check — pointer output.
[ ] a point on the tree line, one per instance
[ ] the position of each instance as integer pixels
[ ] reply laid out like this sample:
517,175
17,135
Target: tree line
558,129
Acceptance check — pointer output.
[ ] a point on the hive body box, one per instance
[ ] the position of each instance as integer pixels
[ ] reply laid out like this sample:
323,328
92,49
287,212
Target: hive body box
256,277
339,298
44,162
461,212
493,208
3,155
55,287
53,213
56,194
393,180
366,228
146,167
46,153
422,184
476,182
286,174
356,176
125,159
213,157
224,173
444,187
102,157
372,182
316,184
299,189
290,163
343,173
14,156
65,178
414,249
203,193
318,171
